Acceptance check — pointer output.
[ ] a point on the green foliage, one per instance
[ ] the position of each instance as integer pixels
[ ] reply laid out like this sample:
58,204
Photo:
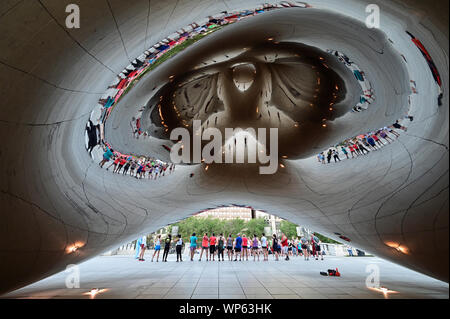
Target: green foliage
326,240
209,225
289,229
255,226
199,226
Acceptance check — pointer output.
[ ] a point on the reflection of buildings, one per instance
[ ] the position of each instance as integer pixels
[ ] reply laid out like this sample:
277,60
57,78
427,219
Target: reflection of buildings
233,212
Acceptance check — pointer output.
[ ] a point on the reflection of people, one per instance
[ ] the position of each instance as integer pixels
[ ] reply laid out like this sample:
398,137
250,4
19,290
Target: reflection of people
398,126
133,126
350,250
92,136
106,156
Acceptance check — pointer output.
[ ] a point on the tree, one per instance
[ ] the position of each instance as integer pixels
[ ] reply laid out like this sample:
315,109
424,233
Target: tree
326,240
288,228
255,226
234,226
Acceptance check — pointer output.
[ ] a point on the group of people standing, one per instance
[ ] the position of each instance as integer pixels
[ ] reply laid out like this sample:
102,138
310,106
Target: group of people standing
363,144
137,168
236,248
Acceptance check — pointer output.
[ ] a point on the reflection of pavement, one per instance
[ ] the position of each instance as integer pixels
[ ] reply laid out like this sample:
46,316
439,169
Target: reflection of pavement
125,277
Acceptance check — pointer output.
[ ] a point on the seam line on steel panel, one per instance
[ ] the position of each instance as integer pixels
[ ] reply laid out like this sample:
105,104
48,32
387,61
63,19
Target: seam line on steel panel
45,211
168,19
148,22
10,9
402,187
73,39
45,81
429,140
118,30
375,217
45,124
226,5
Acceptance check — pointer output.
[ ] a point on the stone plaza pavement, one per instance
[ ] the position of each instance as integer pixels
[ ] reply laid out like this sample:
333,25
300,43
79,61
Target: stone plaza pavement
125,277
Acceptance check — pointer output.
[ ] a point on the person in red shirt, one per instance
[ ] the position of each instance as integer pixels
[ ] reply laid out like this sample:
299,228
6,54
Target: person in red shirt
122,162
212,246
115,163
355,146
205,243
244,252
352,150
285,245
120,85
377,140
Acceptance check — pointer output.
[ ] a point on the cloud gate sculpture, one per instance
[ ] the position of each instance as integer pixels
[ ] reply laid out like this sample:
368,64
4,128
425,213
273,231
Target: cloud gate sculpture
314,71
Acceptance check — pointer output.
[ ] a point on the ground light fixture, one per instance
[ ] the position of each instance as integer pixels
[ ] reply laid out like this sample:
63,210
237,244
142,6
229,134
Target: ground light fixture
94,292
385,291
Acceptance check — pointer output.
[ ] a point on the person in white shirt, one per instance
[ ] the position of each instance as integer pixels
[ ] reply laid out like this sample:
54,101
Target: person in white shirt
143,246
178,247
264,247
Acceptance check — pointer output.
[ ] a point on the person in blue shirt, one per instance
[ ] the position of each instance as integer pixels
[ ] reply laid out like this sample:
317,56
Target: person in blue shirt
238,247
371,142
193,247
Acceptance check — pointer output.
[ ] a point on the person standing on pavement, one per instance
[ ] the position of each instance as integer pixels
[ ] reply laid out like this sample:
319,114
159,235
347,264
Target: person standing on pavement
275,246
205,243
193,245
304,246
212,247
143,244
238,247
230,247
157,248
167,243
220,247
285,245
178,247
264,247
